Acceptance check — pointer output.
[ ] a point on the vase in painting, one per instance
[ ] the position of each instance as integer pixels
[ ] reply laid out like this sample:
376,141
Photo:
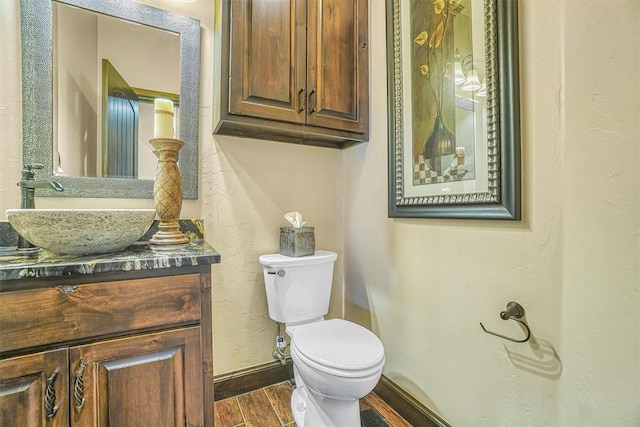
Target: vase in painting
440,147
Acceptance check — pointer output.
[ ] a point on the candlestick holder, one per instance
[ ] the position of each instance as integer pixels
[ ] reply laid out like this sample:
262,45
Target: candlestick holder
167,192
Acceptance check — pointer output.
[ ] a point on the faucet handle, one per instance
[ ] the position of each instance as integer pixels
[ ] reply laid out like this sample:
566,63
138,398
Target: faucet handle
30,166
27,172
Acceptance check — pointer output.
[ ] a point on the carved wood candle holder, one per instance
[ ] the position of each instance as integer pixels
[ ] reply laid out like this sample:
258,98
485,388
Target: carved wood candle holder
167,192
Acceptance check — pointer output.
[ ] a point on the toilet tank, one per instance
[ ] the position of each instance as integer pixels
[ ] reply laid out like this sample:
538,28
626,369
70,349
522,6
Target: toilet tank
298,289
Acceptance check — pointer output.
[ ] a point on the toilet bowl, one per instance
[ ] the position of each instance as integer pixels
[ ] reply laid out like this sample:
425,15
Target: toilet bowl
336,362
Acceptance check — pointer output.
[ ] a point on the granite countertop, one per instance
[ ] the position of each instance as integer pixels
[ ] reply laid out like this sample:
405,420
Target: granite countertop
139,256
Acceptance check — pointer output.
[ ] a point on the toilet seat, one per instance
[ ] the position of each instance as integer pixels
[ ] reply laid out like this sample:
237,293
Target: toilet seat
338,347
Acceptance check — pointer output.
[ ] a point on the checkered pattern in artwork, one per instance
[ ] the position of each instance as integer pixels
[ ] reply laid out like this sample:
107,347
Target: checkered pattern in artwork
422,174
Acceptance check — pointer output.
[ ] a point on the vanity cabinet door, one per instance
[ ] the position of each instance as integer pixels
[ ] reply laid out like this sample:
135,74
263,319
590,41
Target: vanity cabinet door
146,380
34,390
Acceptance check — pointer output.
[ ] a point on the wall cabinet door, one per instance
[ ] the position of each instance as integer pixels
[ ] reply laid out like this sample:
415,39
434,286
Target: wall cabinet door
34,390
268,61
338,69
147,380
298,70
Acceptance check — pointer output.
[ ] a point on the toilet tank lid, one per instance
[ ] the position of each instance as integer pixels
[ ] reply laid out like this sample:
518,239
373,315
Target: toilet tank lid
277,260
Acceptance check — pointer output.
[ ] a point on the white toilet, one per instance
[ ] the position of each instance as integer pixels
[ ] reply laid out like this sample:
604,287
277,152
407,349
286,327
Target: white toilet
335,362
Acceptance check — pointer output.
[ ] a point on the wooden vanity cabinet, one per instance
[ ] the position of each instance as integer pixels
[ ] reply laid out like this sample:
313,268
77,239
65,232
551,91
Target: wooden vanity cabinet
295,70
124,349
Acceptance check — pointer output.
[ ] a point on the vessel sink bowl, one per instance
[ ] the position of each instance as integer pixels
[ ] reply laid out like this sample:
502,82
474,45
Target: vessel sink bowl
81,231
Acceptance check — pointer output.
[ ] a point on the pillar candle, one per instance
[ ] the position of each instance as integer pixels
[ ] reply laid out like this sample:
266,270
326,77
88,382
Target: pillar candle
162,118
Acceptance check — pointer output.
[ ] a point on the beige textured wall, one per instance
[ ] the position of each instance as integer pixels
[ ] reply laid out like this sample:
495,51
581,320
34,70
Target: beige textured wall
252,184
424,285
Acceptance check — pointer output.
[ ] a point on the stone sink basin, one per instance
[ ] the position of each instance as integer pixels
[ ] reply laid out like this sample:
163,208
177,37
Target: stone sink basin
81,231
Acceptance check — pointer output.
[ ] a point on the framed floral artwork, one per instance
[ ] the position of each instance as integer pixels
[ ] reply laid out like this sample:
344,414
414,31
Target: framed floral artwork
454,129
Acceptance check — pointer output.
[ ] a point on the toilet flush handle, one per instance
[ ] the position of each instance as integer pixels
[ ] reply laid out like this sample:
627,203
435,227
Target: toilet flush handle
279,272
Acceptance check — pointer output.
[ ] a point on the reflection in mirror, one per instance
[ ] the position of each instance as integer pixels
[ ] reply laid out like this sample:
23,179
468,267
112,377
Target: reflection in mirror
131,53
100,66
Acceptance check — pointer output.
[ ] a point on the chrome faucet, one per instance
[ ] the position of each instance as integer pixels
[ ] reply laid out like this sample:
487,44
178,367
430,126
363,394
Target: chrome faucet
28,186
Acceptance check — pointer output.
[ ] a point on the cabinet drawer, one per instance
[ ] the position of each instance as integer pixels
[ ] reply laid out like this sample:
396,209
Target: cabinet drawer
67,313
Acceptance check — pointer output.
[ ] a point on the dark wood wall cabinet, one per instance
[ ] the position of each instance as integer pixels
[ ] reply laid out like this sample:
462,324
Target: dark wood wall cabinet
109,349
293,71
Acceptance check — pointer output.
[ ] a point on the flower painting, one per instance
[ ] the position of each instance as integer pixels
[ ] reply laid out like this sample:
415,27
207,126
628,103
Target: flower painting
433,95
453,109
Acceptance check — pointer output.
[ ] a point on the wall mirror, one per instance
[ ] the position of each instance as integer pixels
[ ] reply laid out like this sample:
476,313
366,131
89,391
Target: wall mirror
72,53
454,136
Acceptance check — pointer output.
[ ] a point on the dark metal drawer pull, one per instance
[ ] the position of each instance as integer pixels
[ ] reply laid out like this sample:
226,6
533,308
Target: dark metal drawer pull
50,397
78,386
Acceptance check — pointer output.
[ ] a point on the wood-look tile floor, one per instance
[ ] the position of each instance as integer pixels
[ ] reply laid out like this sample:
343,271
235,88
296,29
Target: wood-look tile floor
270,407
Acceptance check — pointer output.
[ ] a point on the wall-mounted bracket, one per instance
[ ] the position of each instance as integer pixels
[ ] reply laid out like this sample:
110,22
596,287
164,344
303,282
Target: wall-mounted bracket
515,312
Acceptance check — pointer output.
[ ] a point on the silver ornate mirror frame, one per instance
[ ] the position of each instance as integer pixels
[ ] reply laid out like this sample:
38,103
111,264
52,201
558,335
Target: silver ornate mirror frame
502,200
37,95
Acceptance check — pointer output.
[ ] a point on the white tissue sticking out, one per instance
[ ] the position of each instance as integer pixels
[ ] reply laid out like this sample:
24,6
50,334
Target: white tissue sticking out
295,218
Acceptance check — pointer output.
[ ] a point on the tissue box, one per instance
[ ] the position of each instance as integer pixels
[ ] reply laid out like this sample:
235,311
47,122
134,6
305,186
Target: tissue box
297,242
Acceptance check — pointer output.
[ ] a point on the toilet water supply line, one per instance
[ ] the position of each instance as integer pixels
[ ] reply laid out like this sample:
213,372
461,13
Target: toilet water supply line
279,353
